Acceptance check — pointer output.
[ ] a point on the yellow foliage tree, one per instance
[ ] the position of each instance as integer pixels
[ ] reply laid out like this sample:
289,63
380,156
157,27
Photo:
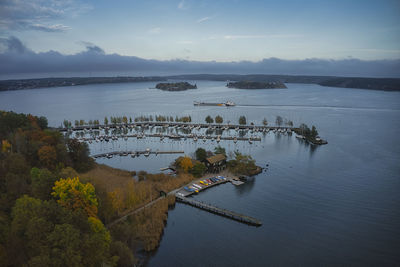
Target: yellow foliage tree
74,195
5,146
186,163
117,200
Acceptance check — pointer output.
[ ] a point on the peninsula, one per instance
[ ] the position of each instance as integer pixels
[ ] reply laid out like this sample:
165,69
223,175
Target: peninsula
256,85
179,86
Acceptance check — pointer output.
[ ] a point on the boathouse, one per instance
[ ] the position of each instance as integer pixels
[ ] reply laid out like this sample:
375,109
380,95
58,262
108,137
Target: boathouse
216,163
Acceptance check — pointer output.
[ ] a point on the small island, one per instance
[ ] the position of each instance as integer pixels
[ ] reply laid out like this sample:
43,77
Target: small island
180,86
255,85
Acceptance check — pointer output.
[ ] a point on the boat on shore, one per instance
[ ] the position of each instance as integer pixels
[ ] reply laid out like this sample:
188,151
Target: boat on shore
225,104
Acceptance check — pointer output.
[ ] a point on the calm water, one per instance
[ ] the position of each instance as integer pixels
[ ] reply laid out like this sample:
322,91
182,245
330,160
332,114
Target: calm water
331,205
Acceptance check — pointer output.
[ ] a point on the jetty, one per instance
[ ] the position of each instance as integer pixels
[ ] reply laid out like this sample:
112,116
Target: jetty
169,136
179,125
219,211
134,153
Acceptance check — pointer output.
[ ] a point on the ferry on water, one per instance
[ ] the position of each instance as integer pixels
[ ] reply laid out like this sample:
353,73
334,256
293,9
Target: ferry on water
226,104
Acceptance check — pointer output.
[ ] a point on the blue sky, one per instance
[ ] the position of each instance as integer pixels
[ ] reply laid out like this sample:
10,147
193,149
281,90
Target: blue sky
206,30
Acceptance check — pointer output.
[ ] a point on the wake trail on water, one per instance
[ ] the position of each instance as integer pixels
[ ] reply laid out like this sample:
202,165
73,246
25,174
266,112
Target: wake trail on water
318,106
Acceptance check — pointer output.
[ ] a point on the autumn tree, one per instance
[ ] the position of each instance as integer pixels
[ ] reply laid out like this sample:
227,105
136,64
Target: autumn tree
47,156
74,195
43,233
265,122
186,163
5,146
219,119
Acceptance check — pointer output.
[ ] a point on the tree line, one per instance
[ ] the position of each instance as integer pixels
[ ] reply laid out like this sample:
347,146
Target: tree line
48,215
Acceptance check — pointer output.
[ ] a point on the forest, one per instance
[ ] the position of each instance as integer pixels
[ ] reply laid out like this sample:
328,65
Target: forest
56,202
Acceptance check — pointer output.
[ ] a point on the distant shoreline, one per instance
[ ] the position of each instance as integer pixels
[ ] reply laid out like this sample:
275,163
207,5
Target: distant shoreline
381,84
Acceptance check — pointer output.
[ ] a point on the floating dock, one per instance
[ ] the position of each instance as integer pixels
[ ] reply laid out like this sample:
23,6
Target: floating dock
181,125
219,211
126,153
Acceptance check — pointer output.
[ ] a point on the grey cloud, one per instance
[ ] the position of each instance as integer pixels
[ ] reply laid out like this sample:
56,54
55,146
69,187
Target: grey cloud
19,59
14,45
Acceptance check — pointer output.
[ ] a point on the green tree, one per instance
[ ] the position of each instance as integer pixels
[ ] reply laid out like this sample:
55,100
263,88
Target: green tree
42,122
242,120
219,150
124,253
219,119
201,154
198,169
304,130
209,119
314,132
79,154
42,183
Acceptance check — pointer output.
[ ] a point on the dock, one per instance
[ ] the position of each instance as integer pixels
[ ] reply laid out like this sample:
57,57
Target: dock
182,125
219,211
134,153
171,137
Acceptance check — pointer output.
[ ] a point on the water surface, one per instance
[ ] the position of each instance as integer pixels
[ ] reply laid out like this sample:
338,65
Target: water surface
330,205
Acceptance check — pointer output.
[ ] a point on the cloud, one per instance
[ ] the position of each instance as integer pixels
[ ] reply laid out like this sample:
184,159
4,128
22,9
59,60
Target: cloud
234,37
182,5
17,59
38,14
92,48
156,30
14,45
203,19
50,28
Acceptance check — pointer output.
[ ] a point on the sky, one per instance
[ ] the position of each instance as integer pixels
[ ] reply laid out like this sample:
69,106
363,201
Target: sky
206,30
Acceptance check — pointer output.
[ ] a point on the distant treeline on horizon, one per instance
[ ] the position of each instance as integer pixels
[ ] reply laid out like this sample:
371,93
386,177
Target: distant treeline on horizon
384,84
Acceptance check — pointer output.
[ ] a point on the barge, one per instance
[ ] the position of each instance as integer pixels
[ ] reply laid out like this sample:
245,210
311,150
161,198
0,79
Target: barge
225,104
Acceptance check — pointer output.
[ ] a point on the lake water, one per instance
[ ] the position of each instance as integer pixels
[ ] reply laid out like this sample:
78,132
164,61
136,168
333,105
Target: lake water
329,205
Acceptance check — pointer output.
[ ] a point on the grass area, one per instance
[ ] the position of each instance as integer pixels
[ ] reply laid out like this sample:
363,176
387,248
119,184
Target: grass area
119,193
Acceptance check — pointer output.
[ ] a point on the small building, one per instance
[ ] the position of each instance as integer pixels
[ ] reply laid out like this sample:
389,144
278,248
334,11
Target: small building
216,163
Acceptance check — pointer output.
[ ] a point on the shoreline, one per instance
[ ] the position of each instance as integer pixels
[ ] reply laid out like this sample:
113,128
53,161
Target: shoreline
367,83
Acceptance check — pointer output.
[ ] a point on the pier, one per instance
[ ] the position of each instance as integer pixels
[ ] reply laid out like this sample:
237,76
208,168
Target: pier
182,125
169,136
134,153
219,211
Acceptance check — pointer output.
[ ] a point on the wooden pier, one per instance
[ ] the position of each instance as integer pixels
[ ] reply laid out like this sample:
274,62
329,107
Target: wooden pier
181,125
197,138
135,153
219,211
